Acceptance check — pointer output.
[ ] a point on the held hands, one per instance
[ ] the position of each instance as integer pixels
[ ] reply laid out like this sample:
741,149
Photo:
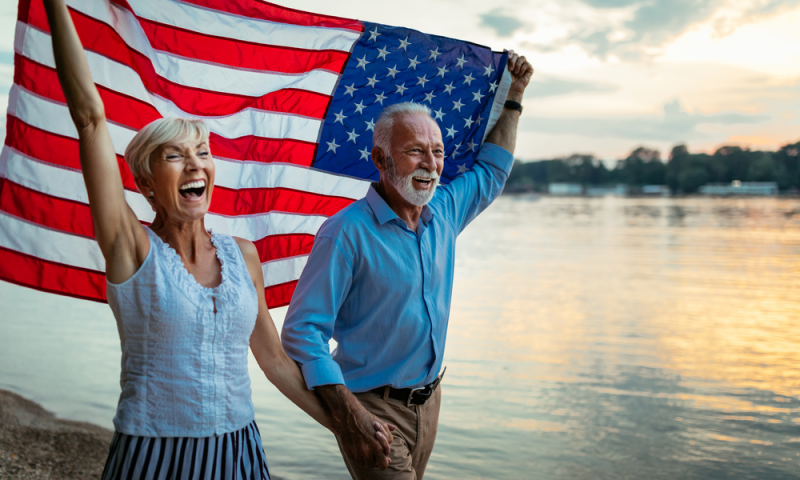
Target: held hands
366,440
521,72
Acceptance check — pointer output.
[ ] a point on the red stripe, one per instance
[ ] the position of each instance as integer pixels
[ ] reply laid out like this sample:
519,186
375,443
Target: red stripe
276,247
241,54
248,201
23,10
280,295
28,271
54,149
275,13
76,218
102,39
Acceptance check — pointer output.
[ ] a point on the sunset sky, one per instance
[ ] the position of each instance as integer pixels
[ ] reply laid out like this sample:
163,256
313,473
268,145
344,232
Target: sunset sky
612,75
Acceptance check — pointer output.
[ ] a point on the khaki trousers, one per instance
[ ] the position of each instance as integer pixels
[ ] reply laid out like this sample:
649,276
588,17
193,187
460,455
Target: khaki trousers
413,439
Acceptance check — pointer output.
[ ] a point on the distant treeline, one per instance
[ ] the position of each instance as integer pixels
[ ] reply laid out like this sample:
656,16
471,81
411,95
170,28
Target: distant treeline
683,172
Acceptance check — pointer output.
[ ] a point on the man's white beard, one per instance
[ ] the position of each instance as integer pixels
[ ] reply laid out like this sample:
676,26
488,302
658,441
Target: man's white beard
405,185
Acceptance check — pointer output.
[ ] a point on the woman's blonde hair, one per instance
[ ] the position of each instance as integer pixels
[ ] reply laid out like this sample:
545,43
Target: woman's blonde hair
156,134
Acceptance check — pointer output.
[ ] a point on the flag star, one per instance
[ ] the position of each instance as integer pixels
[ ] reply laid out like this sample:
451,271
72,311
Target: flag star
439,114
492,87
352,135
476,96
468,122
364,154
448,89
442,71
471,145
332,145
359,106
479,120
401,88
413,63
373,35
404,44
488,71
340,117
379,98
467,79
462,168
455,150
372,81
434,54
383,52
456,105
362,62
393,71
349,90
429,97
422,80
461,61
370,125
451,132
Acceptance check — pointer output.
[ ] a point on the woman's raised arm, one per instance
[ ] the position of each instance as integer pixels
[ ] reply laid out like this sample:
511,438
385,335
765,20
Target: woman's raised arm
121,237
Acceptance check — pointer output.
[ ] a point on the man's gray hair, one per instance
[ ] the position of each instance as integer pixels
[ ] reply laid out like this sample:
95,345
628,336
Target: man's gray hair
382,136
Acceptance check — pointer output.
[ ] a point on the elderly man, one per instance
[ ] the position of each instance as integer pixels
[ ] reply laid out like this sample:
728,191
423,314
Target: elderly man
379,281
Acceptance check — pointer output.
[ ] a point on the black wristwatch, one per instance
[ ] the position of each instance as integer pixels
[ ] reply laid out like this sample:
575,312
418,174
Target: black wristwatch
512,105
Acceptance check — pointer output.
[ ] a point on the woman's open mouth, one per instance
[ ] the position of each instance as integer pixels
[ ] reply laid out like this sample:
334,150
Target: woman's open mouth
193,190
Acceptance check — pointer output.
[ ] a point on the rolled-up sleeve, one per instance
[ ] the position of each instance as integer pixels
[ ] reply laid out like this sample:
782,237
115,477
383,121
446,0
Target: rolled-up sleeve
468,195
312,313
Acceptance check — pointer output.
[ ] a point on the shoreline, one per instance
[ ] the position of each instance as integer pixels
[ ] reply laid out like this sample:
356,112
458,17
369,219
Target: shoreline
35,444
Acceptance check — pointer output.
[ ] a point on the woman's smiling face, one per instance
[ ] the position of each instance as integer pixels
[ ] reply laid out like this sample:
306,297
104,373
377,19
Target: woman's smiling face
183,180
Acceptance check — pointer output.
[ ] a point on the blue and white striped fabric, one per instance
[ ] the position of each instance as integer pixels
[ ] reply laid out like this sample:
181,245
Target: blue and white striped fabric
233,455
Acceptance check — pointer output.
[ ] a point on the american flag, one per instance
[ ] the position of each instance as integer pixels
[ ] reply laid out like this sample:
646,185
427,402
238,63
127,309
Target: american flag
290,97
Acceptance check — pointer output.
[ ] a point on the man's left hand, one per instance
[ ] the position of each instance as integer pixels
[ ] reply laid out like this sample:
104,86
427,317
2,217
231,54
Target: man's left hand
521,72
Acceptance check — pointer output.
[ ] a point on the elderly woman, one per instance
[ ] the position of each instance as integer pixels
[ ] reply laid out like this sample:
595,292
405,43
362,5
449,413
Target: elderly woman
187,302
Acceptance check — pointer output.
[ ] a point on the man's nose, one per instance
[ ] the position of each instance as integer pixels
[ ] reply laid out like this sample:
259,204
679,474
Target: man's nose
428,161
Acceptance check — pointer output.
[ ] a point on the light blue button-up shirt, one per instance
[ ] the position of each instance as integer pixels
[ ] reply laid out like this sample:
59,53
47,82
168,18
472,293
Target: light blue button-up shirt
383,291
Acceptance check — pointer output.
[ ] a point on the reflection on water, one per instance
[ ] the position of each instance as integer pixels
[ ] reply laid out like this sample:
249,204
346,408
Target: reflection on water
589,338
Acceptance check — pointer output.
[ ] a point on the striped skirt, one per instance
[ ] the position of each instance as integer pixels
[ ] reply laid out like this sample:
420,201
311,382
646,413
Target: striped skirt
235,455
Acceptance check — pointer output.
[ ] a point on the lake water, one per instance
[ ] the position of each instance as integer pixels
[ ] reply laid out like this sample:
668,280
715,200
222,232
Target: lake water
603,338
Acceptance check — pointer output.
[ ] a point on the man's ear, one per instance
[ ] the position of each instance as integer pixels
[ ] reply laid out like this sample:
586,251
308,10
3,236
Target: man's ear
379,159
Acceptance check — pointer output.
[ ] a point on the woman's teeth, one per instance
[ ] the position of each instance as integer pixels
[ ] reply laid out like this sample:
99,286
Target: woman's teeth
192,190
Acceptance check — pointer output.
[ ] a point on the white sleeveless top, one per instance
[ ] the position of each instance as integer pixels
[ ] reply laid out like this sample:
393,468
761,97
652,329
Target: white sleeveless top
184,368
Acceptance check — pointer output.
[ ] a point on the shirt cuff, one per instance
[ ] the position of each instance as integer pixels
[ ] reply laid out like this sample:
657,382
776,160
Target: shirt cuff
322,371
497,156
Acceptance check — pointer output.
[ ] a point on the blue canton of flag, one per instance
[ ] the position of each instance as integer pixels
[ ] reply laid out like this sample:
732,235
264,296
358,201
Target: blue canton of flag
459,81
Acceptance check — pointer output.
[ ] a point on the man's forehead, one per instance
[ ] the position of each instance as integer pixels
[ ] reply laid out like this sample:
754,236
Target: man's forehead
420,124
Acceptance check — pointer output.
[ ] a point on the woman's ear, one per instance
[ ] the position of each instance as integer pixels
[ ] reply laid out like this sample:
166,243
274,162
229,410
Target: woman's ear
146,188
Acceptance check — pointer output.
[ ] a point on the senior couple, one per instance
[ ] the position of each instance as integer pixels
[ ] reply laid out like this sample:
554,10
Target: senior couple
189,303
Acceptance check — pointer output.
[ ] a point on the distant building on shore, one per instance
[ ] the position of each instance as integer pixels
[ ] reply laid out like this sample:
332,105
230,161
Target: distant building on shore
565,189
740,188
655,190
601,191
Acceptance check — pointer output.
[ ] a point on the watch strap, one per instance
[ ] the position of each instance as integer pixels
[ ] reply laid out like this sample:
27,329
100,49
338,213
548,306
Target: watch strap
512,105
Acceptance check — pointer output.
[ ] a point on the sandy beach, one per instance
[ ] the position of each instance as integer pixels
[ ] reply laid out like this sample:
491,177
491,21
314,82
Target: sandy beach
35,444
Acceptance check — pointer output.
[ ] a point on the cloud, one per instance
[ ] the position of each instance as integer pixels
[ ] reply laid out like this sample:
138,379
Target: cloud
550,86
6,58
503,24
674,125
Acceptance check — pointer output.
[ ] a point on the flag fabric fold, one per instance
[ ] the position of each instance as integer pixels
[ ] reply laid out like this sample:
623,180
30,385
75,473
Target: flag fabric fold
290,97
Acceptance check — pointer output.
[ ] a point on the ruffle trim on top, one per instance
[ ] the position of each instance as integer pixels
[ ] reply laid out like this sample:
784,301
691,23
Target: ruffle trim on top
186,281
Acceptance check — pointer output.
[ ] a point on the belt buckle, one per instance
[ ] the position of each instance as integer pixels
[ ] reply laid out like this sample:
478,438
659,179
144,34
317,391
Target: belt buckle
411,395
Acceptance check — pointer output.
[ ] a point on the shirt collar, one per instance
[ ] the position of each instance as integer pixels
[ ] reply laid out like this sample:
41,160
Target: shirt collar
384,213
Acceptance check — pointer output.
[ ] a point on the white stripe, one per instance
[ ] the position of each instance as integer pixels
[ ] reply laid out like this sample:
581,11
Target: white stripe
123,79
499,100
68,184
54,117
222,24
212,76
31,239
284,270
239,175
